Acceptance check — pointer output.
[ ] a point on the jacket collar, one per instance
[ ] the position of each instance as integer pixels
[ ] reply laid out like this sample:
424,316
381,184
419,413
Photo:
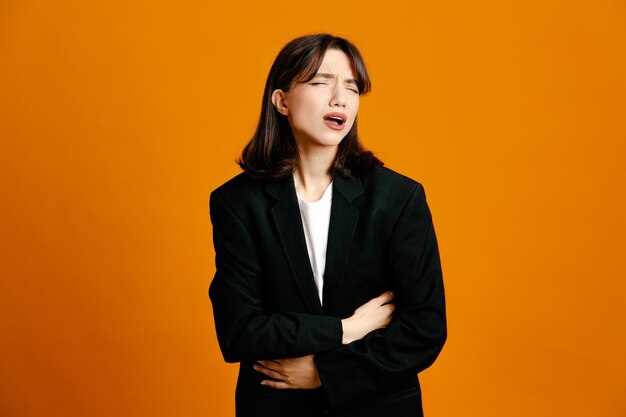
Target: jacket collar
349,188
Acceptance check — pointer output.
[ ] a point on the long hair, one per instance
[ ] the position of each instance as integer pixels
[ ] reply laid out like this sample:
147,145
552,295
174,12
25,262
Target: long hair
272,152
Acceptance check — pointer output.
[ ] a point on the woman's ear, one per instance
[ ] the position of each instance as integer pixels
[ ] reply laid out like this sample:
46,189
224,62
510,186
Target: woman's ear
279,101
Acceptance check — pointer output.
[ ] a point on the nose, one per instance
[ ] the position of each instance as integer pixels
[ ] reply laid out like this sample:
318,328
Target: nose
338,97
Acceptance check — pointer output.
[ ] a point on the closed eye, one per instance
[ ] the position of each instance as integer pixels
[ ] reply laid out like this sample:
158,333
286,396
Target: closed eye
351,89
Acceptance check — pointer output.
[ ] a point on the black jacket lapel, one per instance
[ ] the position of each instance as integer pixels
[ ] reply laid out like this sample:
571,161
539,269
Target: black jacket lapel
343,220
286,215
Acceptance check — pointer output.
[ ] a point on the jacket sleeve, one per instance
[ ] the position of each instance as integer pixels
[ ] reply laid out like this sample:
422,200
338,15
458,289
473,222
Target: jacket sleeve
417,333
246,330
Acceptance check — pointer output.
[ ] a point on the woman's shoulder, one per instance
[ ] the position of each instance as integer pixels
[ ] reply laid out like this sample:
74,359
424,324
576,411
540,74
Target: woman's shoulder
244,191
389,191
384,178
238,187
241,182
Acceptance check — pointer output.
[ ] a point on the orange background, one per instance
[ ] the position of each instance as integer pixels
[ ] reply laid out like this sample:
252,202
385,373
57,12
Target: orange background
118,118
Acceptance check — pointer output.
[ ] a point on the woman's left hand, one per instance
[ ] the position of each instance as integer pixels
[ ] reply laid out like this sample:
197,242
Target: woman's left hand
294,373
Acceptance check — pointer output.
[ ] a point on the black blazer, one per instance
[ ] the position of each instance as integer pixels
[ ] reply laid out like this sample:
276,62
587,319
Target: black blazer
265,301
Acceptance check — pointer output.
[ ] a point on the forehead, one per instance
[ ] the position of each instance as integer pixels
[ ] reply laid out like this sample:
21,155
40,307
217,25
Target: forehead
336,62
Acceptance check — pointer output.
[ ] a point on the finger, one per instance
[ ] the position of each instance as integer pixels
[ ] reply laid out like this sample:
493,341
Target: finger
276,384
385,297
274,365
268,372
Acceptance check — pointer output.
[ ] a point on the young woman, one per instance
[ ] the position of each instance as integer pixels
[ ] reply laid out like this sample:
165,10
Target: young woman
316,244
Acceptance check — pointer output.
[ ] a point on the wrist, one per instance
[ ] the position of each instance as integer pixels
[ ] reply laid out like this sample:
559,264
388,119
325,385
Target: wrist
347,326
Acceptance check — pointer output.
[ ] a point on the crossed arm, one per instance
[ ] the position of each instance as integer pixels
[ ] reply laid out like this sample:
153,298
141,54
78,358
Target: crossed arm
301,372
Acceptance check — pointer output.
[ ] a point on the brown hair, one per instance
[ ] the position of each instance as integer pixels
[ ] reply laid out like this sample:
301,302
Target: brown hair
272,152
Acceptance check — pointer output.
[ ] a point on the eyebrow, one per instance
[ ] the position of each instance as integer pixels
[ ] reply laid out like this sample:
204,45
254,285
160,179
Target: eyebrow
328,75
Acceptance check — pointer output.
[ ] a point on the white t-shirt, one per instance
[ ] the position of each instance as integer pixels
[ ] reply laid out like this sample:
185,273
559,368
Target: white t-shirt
315,220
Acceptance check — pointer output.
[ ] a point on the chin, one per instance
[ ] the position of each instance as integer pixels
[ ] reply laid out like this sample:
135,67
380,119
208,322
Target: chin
330,140
335,139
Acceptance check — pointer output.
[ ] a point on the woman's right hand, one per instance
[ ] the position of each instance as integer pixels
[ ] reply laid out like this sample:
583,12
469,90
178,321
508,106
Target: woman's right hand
375,314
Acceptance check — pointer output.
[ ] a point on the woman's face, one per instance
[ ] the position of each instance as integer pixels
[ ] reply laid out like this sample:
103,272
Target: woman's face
322,110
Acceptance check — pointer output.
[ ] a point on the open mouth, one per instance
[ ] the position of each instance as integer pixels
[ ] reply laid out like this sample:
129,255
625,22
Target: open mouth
337,120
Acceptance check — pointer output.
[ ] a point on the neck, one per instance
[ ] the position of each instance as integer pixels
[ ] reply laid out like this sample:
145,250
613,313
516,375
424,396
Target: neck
312,176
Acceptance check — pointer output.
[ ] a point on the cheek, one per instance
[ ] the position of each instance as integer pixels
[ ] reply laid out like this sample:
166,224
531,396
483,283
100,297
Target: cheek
301,107
301,118
355,108
301,121
303,112
354,102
